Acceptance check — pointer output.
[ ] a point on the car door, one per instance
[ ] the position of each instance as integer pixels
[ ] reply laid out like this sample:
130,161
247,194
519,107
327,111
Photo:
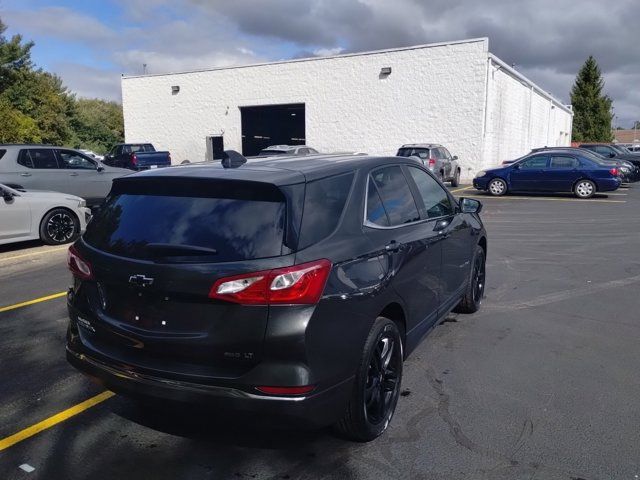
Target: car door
15,218
84,178
529,174
38,169
408,246
446,162
454,232
563,172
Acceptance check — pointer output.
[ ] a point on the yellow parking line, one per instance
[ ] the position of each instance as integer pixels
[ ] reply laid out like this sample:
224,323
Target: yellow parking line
54,420
32,302
41,252
590,200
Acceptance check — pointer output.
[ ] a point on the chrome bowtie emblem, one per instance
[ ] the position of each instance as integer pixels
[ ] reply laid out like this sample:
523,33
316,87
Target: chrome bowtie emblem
140,280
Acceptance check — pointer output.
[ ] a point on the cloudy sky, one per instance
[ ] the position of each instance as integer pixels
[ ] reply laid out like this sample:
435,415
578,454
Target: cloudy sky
90,43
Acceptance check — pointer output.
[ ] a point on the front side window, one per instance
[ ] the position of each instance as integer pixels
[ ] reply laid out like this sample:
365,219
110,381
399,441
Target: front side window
533,163
74,160
396,196
436,201
564,162
602,150
38,158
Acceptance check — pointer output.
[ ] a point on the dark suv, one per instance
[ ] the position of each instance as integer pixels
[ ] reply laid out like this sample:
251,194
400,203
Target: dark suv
285,288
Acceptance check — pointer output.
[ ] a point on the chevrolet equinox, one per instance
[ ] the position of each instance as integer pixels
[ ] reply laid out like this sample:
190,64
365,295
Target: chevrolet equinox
291,288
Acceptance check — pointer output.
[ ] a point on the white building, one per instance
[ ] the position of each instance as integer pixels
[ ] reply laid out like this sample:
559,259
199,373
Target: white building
457,94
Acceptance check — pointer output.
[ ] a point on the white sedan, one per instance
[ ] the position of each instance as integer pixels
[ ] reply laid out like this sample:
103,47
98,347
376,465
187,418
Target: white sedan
53,217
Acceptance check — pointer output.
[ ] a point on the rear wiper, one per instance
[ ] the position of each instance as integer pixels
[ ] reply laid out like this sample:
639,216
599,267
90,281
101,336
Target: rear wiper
173,250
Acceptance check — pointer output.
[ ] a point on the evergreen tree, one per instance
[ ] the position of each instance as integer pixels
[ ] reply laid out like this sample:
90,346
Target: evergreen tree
592,109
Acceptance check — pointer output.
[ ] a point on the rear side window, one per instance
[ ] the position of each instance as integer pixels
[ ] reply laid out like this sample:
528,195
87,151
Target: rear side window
238,221
323,205
38,158
2,152
564,162
394,191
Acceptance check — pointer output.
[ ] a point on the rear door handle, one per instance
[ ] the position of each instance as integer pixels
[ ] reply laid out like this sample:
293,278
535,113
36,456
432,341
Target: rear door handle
74,174
25,174
392,246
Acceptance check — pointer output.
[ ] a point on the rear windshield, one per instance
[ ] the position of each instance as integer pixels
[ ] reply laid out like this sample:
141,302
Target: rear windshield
233,223
422,153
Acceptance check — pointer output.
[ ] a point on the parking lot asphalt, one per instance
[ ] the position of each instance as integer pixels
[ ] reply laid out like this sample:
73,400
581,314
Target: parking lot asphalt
542,383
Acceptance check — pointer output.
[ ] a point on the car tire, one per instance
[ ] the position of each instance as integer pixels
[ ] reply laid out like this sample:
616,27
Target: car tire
59,226
455,181
377,384
497,187
584,189
474,292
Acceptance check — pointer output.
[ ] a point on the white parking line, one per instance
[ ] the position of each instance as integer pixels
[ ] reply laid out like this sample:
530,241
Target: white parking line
550,199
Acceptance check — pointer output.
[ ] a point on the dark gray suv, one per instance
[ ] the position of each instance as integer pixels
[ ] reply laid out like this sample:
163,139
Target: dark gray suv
287,290
436,158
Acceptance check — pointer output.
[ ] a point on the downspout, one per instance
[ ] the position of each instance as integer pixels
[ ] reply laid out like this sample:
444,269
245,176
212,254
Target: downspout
529,143
483,160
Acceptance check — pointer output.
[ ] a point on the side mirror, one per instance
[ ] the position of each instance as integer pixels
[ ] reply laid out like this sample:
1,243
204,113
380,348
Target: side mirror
470,205
455,157
100,168
516,166
7,195
612,155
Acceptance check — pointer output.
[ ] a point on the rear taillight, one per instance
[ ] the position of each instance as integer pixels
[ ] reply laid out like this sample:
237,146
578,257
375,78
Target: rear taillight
134,159
432,162
169,155
614,171
287,390
300,284
79,267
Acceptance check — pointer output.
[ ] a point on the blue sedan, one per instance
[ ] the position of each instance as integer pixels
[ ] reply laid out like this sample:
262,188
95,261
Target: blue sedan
550,171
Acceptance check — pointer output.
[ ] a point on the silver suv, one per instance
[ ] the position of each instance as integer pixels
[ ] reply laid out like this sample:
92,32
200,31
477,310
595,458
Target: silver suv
294,150
58,169
436,158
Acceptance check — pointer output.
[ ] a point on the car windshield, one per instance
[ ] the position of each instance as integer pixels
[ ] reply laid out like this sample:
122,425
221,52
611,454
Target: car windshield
422,153
232,224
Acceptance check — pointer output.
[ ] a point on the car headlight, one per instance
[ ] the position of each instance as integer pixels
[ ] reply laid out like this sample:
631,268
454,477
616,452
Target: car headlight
82,203
481,174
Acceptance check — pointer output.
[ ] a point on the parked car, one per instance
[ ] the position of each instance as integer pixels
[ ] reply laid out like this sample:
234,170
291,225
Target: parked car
550,171
291,291
612,151
627,171
436,158
53,217
294,150
42,167
137,156
92,154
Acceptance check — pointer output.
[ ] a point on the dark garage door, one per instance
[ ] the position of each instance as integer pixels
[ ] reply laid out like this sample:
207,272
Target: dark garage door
271,125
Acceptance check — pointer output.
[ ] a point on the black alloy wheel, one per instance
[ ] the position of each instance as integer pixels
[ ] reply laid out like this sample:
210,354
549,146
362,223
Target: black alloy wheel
59,226
377,384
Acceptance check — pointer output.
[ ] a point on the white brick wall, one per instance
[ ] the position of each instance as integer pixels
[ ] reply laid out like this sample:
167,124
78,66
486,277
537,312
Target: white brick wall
520,118
435,93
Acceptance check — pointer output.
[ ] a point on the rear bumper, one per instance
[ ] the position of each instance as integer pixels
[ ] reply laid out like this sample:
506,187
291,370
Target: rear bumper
609,185
314,410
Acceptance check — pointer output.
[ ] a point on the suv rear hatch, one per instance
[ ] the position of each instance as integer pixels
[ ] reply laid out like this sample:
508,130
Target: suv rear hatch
156,249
